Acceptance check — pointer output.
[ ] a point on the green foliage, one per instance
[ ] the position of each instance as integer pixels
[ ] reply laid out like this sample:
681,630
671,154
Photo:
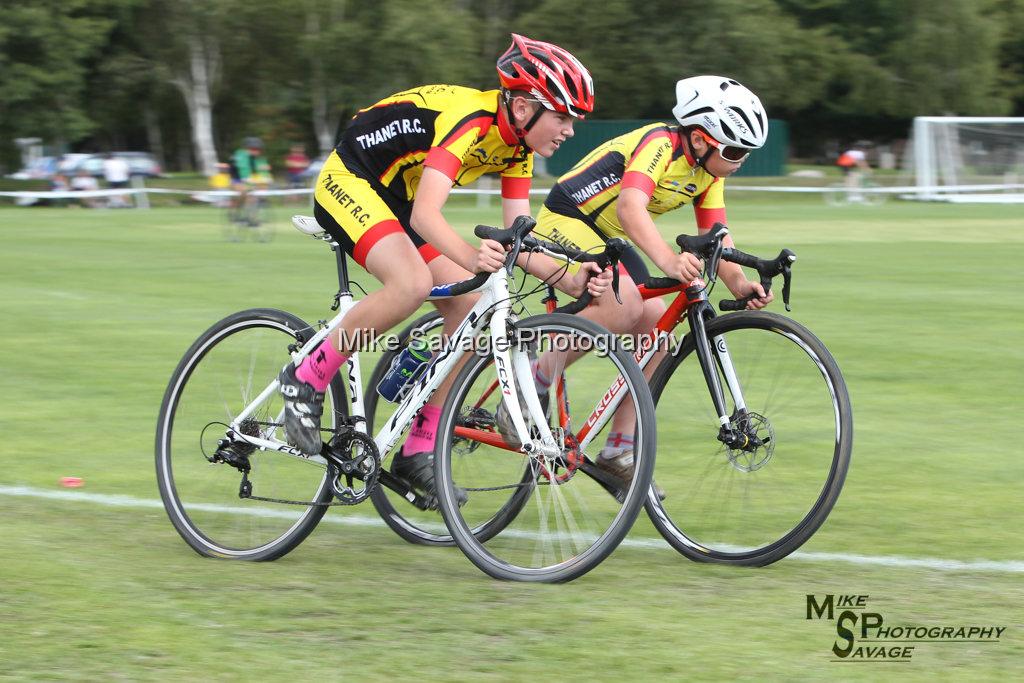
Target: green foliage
46,52
79,72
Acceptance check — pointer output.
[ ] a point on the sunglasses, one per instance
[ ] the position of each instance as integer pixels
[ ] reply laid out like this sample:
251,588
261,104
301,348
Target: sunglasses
731,154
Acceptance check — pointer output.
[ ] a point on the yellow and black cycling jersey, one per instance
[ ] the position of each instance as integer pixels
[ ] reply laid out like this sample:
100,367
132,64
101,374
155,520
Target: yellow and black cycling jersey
654,159
454,129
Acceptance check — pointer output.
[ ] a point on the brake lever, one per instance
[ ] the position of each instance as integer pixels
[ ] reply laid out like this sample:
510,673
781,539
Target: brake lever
615,247
786,257
787,274
713,261
517,247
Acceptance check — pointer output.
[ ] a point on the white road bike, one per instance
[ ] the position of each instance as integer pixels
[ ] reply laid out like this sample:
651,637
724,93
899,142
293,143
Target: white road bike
540,511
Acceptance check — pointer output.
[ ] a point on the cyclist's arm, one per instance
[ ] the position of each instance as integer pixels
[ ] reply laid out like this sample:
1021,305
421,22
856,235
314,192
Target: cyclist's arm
429,222
636,222
549,270
514,208
736,280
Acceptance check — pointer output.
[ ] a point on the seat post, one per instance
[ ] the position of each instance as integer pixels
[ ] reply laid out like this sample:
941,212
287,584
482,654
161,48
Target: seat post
339,255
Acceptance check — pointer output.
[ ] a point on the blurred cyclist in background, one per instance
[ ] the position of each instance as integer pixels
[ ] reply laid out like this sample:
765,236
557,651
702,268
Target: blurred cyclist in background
248,167
854,163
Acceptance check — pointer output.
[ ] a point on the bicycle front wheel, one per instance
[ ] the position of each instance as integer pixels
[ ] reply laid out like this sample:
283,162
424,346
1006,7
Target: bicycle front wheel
554,516
750,506
836,194
228,367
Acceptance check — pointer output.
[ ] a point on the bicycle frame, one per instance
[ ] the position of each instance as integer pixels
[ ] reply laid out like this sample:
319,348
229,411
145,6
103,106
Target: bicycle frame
513,368
691,304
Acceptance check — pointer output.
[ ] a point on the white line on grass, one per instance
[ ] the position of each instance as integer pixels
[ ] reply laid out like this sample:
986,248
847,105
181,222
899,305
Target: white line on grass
645,543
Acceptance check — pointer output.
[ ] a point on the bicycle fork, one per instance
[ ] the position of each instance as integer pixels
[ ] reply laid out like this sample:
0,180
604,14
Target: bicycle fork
713,356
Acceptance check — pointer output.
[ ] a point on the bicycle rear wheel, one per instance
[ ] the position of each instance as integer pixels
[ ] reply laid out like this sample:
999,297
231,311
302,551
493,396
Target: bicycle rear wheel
567,514
754,506
225,369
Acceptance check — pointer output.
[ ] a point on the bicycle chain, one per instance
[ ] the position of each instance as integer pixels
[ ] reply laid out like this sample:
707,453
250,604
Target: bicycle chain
245,487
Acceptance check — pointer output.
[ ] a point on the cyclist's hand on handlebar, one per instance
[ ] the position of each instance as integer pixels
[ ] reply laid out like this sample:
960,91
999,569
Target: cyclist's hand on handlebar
490,257
683,267
592,279
750,288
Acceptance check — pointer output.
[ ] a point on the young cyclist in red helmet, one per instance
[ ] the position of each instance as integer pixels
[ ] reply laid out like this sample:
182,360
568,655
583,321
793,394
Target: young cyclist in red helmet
380,195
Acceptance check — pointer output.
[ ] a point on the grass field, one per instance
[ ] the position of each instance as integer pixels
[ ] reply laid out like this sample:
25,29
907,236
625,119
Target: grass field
919,304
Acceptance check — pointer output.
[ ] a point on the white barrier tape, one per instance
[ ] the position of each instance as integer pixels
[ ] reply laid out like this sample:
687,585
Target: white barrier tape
901,189
71,194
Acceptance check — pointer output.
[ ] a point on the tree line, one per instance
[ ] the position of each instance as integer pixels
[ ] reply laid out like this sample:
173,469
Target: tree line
188,79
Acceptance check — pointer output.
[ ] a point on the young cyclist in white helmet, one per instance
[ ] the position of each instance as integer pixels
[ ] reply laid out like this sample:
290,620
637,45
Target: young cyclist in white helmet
618,189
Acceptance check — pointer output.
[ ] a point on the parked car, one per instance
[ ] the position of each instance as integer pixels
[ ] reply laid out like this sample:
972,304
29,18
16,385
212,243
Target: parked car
139,164
69,163
40,168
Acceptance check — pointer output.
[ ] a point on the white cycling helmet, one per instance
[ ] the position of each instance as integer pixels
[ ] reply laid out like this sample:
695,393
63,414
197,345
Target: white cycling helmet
726,110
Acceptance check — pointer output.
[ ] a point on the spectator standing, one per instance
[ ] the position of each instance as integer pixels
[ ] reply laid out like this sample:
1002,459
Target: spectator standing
295,163
116,172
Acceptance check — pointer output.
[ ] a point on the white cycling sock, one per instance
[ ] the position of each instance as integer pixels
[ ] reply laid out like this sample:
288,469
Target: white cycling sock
616,444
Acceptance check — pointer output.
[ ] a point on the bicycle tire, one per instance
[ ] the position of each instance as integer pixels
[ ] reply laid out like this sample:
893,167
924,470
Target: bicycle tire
873,198
233,226
575,523
762,511
195,493
406,520
836,194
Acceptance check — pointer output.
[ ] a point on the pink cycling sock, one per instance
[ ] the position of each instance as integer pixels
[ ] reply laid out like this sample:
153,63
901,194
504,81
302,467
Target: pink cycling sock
321,365
421,437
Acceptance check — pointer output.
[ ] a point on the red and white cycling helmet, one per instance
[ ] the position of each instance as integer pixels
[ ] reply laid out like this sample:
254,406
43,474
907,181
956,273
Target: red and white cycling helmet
552,75
726,110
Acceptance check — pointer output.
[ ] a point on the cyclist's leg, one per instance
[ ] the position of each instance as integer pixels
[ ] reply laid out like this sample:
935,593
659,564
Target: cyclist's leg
362,223
454,310
633,315
605,310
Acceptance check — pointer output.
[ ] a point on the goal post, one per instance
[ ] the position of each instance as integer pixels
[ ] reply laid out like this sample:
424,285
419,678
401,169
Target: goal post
968,158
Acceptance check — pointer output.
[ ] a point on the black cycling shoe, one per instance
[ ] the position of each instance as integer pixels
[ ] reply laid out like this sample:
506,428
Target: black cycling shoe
418,470
303,406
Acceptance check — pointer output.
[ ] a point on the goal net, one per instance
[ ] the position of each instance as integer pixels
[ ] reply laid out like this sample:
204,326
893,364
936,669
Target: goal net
968,159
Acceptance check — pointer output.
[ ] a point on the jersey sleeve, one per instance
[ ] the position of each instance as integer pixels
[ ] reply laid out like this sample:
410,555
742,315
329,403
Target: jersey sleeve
516,179
648,162
709,205
455,135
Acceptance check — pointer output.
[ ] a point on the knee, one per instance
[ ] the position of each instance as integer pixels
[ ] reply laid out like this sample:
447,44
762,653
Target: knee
624,317
653,309
412,288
